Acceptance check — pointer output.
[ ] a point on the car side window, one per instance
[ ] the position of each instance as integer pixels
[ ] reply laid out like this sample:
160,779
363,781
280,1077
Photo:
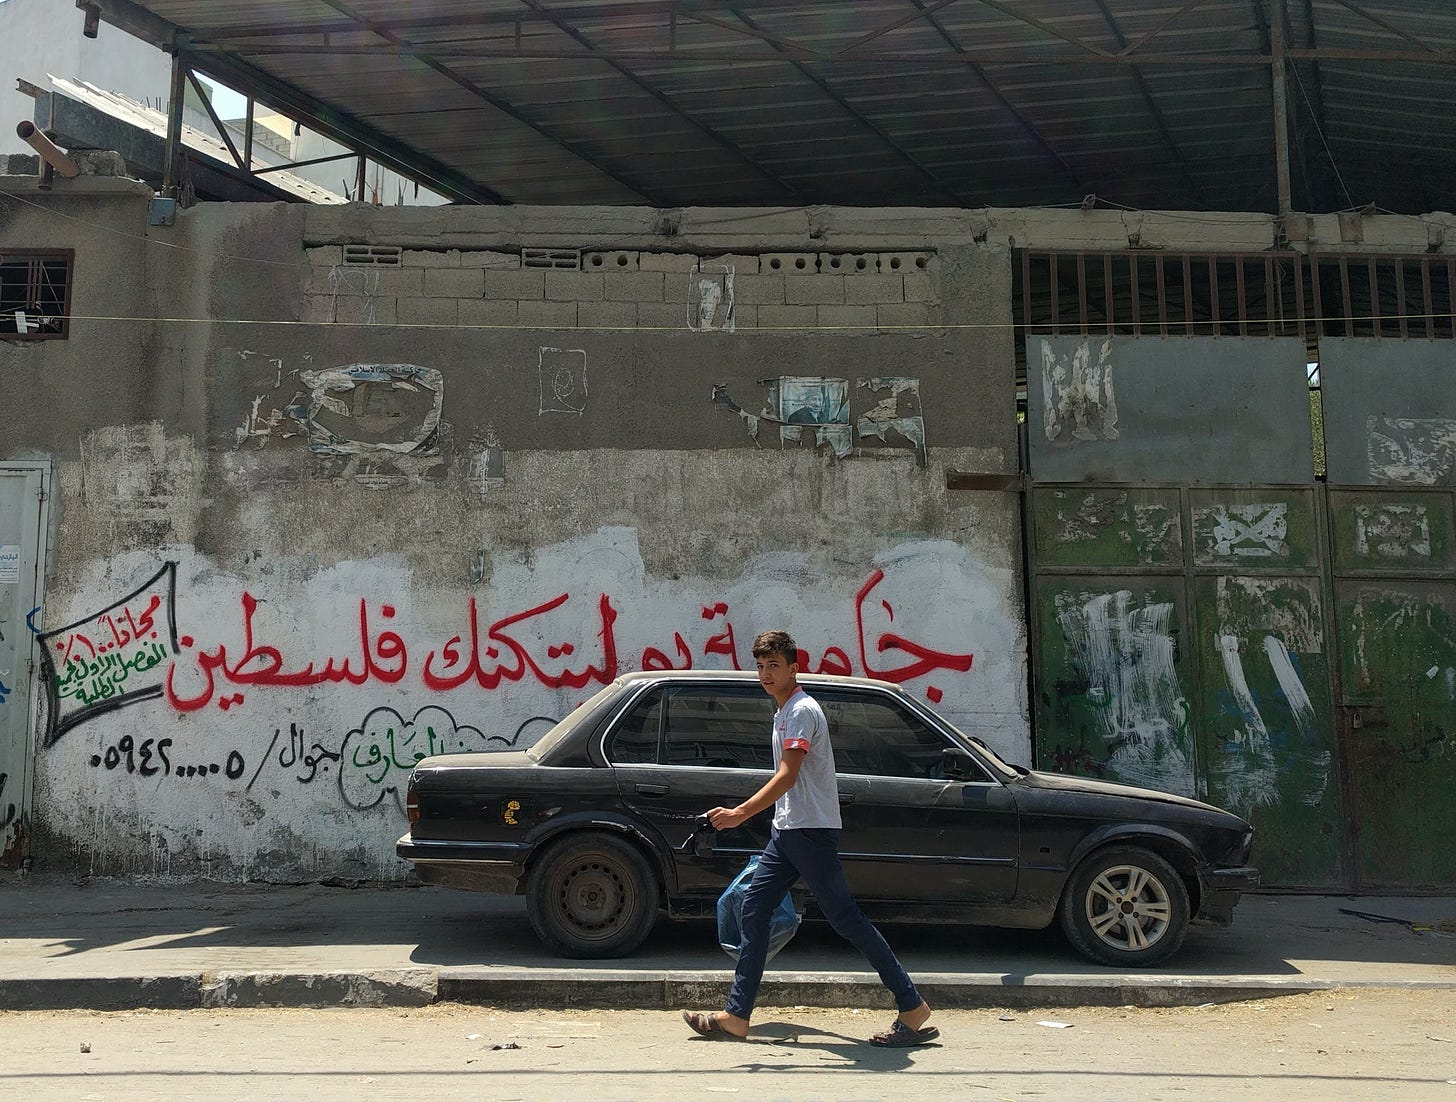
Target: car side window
719,727
633,740
873,736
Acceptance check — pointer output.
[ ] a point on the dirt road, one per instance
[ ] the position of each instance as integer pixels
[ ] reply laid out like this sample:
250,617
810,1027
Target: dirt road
1362,1044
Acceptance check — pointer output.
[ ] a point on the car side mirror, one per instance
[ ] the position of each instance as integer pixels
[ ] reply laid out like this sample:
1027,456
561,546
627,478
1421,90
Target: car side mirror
957,762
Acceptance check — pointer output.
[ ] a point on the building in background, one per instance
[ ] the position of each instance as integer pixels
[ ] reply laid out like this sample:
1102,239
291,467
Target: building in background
129,79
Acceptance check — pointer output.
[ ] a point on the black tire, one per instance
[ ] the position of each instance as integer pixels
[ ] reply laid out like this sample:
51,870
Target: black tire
1125,906
591,896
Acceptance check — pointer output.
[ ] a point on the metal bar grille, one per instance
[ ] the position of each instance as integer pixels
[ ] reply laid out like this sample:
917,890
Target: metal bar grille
1275,294
35,294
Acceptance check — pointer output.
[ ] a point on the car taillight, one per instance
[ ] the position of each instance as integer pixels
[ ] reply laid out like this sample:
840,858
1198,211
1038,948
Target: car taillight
412,805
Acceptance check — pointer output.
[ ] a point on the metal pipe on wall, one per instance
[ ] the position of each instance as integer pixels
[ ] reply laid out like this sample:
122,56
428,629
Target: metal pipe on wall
50,153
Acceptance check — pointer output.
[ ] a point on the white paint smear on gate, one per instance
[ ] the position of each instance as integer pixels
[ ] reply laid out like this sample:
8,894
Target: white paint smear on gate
1126,654
1246,775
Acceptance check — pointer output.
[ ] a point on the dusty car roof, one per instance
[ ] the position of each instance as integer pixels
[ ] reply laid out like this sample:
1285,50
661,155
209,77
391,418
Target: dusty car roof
747,675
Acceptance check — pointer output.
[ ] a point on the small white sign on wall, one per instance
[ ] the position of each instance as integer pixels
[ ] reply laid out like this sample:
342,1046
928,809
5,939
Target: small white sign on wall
9,564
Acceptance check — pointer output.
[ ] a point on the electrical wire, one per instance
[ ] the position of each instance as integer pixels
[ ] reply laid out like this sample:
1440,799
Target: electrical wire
1036,329
1320,131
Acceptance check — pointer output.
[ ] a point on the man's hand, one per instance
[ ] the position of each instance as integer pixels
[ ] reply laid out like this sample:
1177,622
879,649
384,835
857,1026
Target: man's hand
726,818
784,778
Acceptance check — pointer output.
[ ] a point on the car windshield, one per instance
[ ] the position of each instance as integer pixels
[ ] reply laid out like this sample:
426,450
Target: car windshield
543,745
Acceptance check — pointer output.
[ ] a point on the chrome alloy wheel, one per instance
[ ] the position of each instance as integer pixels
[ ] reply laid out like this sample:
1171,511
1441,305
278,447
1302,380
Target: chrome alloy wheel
1128,908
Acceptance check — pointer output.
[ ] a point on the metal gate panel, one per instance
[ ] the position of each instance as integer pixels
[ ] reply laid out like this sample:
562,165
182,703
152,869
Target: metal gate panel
1264,714
1398,644
1197,410
1392,533
1265,720
1180,621
1258,529
22,505
1112,685
1390,419
1127,527
1389,411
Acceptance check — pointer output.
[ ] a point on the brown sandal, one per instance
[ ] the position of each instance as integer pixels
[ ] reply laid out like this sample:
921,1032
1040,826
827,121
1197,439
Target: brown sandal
709,1026
900,1035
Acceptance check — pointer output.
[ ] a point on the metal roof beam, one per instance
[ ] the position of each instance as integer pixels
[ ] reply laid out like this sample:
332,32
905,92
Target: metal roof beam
495,101
143,24
942,186
919,13
1152,34
1045,28
1189,179
1015,112
1005,57
1385,24
683,8
702,128
345,129
763,36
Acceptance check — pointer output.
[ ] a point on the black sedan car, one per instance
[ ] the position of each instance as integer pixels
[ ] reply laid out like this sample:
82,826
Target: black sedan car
596,823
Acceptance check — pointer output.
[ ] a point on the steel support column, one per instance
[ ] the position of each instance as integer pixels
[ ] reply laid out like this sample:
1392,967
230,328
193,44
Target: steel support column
1281,105
175,103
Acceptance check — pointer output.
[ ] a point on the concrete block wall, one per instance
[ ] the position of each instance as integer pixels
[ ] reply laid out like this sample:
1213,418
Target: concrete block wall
631,289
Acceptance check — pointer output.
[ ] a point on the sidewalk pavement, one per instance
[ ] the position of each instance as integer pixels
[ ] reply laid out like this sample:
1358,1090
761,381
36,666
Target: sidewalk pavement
111,945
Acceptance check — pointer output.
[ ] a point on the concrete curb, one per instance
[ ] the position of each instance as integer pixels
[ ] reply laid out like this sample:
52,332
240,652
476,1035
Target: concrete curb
553,989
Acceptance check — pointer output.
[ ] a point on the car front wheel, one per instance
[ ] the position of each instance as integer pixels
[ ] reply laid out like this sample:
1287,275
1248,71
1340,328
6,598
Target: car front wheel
1125,905
592,896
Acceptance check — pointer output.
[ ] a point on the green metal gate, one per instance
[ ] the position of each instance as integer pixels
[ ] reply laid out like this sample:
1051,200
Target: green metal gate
1180,627
1390,417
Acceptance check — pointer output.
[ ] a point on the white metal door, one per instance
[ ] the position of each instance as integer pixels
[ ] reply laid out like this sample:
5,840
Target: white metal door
23,493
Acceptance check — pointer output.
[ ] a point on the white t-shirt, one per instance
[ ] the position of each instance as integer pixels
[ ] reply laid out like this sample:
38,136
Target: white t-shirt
813,802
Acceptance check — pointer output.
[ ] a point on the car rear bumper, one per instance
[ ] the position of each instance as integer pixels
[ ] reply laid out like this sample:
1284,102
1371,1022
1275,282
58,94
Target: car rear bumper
1222,889
497,867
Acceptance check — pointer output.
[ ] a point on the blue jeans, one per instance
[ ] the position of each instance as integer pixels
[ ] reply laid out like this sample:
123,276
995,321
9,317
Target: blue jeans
814,855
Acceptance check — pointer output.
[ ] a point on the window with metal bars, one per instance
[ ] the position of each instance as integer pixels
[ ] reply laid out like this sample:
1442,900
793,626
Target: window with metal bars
35,294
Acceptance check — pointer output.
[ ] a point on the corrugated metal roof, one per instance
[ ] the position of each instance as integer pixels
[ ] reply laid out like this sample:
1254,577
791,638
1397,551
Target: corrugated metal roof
1146,103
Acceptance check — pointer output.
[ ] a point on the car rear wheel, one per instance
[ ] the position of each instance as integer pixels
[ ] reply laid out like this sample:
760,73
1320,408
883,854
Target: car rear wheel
592,895
1125,905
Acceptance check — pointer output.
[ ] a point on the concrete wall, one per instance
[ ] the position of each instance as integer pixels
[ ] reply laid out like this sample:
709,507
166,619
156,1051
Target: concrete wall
324,516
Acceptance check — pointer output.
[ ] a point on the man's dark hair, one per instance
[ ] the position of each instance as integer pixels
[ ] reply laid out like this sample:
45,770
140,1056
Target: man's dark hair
779,643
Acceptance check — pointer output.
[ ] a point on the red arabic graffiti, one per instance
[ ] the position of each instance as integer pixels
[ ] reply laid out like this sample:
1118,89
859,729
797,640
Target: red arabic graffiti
517,647
383,658
927,659
464,668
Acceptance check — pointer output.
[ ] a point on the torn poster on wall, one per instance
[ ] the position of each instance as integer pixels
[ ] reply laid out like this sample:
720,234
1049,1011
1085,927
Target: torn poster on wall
382,420
800,403
393,409
1419,451
1079,402
710,299
896,409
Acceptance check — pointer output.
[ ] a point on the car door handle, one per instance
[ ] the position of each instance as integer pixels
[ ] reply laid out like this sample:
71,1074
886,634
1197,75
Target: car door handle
845,800
652,790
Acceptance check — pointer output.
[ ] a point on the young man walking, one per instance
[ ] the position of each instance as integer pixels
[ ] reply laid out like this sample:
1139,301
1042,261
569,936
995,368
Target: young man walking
804,842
